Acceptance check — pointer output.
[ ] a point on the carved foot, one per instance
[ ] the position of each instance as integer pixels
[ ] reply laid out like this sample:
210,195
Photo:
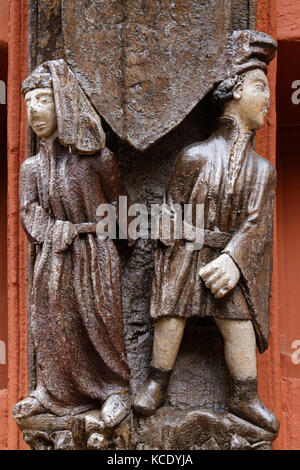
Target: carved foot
27,407
115,409
152,395
245,404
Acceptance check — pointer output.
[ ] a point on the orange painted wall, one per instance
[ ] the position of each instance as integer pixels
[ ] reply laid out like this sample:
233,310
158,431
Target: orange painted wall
4,7
279,376
17,263
3,419
288,20
288,162
3,225
3,219
269,363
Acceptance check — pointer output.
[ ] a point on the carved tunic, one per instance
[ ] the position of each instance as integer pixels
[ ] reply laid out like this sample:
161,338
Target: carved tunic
237,191
76,310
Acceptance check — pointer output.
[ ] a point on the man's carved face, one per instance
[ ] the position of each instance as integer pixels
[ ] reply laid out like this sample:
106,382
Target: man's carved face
253,99
41,111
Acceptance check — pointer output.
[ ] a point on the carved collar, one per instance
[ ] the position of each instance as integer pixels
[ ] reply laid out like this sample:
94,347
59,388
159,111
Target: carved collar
230,124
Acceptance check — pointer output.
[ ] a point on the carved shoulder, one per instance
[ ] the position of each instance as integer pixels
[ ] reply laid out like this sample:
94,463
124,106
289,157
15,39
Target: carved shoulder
191,159
266,170
29,164
28,171
194,155
185,172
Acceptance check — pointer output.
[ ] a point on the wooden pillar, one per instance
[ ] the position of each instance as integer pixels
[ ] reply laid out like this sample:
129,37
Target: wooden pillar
269,362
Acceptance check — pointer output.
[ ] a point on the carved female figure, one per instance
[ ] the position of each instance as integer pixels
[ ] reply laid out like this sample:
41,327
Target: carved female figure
229,278
76,310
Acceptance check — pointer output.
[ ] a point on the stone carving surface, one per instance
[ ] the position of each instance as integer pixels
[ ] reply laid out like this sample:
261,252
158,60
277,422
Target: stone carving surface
145,65
83,431
141,100
173,429
75,293
228,276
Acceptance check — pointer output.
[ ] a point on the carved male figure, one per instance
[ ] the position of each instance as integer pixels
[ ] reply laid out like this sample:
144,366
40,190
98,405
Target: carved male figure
229,278
75,298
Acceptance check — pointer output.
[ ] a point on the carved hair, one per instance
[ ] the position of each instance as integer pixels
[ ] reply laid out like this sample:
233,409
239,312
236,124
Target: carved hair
223,92
79,125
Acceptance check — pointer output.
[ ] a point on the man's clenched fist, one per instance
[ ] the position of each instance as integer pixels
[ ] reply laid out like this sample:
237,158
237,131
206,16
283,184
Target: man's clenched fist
220,275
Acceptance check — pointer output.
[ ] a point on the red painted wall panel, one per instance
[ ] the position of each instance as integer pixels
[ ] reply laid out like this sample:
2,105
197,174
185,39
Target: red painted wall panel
17,262
269,362
4,7
3,419
3,219
3,222
288,159
288,20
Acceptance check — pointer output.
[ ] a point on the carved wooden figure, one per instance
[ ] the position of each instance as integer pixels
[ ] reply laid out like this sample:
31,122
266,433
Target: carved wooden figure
75,299
81,398
229,278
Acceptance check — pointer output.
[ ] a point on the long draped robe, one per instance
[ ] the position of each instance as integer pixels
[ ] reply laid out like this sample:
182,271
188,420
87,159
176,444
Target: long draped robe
237,190
76,307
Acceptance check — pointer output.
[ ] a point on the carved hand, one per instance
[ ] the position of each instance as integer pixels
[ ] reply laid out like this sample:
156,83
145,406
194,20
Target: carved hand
64,233
220,275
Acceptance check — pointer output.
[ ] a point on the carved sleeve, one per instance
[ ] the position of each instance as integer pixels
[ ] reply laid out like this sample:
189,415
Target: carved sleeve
184,175
178,193
248,247
34,219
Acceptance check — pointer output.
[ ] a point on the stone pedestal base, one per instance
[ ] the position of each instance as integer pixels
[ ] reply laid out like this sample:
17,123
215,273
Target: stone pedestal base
168,429
195,415
172,429
83,431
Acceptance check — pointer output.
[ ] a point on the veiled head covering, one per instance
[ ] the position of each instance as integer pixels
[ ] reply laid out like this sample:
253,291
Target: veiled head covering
78,124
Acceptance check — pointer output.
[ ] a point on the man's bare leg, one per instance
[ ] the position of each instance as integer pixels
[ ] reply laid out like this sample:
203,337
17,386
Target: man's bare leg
168,333
240,356
240,347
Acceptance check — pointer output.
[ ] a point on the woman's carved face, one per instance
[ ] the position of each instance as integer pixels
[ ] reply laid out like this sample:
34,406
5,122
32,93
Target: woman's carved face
41,111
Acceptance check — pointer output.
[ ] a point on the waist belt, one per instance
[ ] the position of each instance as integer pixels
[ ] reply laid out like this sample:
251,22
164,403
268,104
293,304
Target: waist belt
86,227
214,239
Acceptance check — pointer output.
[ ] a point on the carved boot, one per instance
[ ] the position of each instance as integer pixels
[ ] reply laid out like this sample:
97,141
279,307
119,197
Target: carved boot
153,393
245,403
